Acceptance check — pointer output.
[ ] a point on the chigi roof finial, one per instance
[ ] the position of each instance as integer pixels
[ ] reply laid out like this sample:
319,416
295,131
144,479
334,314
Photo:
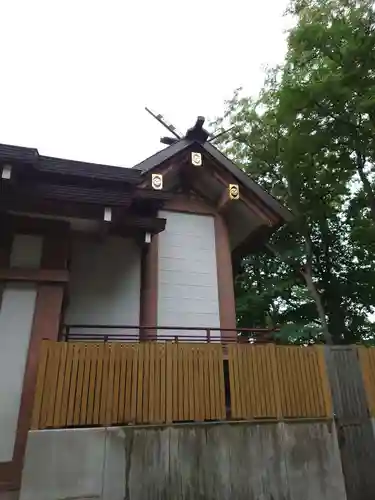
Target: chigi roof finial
196,133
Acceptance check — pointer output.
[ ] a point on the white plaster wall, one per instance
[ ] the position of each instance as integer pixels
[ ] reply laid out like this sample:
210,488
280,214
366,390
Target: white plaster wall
187,281
16,316
26,251
105,283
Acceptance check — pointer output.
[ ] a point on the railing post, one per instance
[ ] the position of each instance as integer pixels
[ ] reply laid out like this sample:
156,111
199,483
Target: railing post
208,334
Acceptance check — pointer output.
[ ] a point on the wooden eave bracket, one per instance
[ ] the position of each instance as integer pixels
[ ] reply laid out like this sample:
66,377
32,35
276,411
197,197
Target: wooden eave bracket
223,201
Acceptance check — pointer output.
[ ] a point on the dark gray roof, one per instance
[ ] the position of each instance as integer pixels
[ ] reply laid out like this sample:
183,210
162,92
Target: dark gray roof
83,169
29,156
163,155
18,153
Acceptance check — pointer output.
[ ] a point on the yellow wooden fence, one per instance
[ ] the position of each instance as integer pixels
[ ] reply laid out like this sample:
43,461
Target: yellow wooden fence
366,357
278,382
85,384
82,384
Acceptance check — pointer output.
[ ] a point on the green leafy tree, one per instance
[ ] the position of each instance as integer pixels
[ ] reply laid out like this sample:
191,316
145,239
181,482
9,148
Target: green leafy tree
309,140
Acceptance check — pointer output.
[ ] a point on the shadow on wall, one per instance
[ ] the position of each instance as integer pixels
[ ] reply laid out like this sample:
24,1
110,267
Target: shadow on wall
222,461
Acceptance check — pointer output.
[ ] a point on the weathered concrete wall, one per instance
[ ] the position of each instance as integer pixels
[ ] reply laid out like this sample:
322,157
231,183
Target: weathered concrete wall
218,462
9,495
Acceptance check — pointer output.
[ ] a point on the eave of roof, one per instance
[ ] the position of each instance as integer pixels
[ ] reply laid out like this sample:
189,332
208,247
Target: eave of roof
92,170
248,182
30,156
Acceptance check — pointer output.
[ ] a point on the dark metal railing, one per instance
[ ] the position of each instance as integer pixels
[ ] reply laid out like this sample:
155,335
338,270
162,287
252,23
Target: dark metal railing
134,333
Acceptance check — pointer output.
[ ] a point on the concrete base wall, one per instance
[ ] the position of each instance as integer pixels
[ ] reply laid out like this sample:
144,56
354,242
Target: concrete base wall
192,462
9,495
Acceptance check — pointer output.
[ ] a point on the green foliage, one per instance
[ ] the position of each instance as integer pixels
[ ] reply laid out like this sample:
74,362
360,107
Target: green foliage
309,140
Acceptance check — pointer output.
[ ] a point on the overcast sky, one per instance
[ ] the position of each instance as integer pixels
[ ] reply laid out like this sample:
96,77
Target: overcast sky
76,74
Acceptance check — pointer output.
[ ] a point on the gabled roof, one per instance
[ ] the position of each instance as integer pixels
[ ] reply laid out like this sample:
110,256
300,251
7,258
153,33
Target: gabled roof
166,154
117,177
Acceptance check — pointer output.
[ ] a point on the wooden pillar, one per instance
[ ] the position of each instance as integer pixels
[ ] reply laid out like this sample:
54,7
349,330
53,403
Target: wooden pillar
149,290
227,304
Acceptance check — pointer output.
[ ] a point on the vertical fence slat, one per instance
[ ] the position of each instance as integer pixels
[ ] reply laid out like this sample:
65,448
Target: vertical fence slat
366,356
199,384
196,393
85,383
108,419
214,395
152,413
259,352
129,383
274,396
146,383
91,384
139,413
73,384
180,382
255,407
324,386
52,375
98,384
174,381
105,385
81,350
162,383
60,385
185,383
275,381
133,385
245,370
156,387
168,381
234,381
216,383
121,388
190,354
220,376
66,387
116,383
40,382
287,391
201,374
308,382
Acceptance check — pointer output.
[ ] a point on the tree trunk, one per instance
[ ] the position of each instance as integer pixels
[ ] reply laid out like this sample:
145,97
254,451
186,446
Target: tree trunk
307,276
370,195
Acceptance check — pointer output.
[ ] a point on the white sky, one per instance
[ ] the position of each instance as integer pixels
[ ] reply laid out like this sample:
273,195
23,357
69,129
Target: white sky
76,74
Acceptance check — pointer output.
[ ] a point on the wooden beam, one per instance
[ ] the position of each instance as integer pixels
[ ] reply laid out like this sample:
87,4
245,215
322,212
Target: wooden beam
121,218
35,275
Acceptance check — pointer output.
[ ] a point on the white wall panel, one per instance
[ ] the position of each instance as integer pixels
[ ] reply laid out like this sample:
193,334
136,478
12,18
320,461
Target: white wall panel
187,281
105,283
